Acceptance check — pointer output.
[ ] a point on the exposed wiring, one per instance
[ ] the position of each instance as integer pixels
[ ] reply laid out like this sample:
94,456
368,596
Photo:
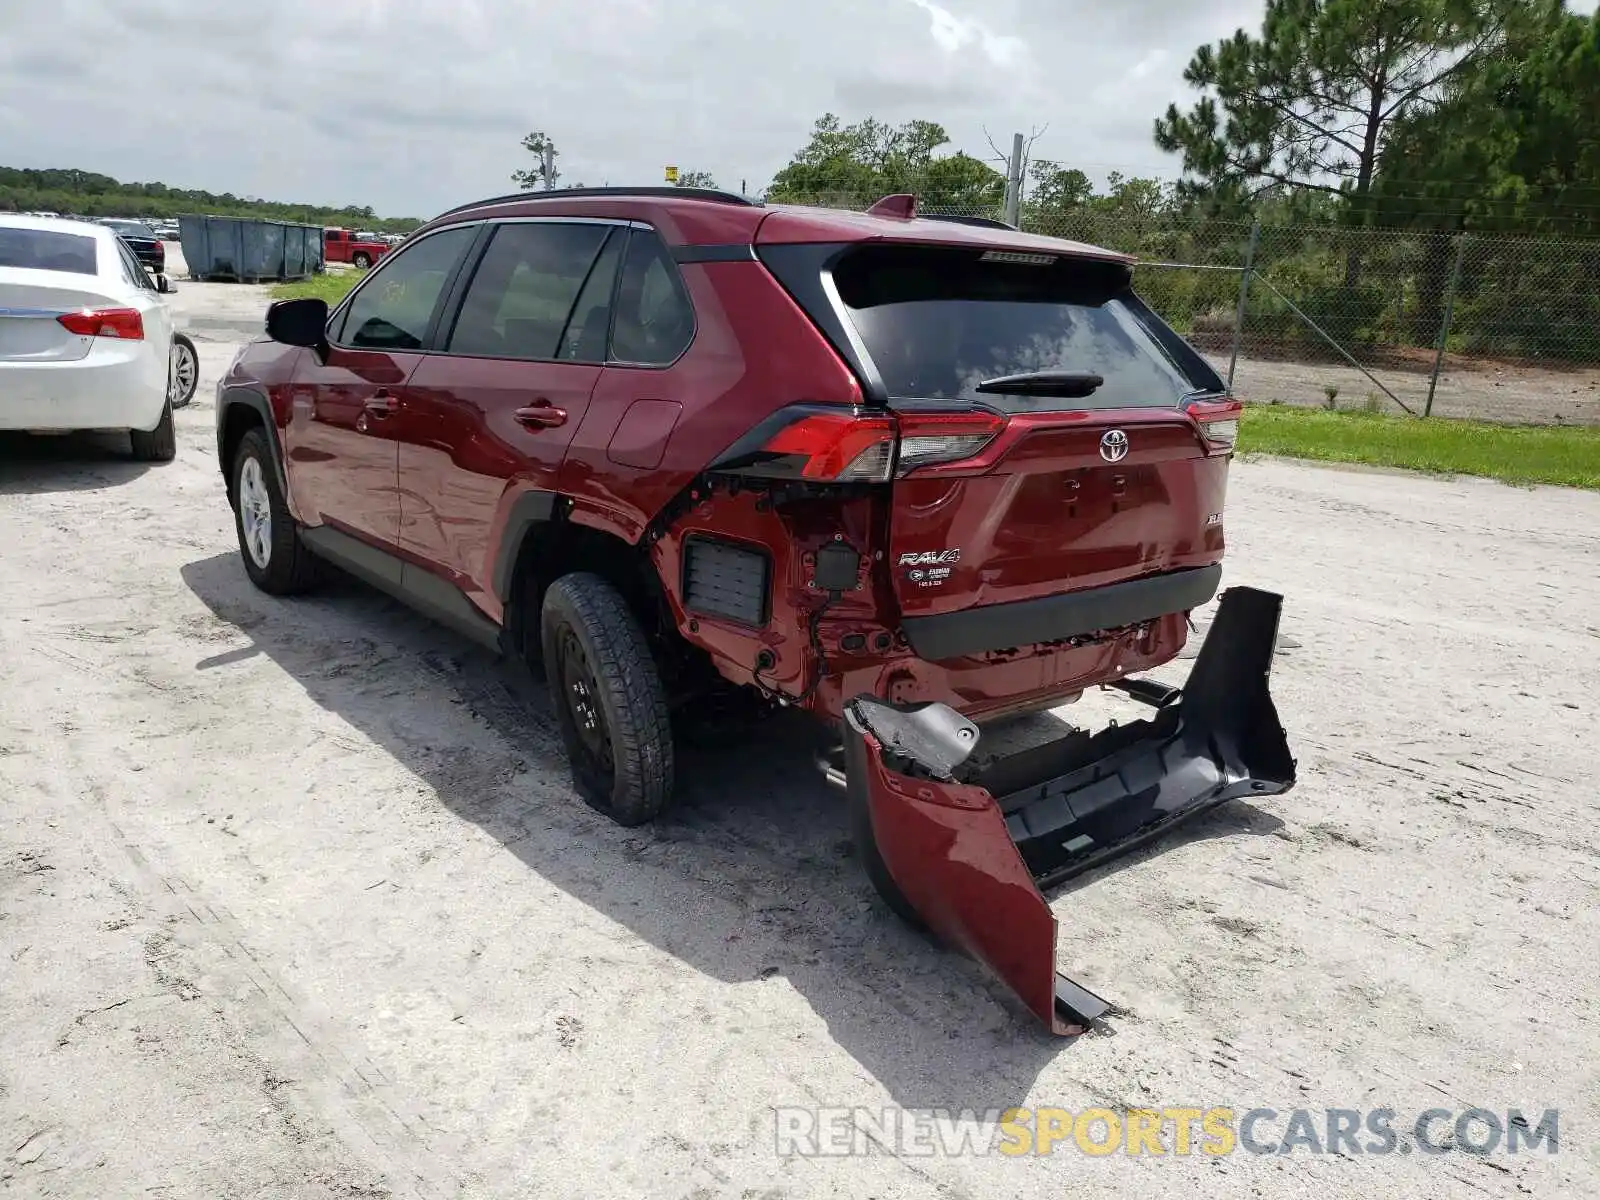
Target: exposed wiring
813,629
814,635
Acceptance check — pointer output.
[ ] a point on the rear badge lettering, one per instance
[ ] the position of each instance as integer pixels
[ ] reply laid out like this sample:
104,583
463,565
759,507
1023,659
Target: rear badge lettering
1213,518
929,558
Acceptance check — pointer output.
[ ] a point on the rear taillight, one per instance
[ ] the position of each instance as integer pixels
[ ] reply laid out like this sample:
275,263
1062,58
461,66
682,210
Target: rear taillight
125,323
841,447
928,438
1219,423
849,446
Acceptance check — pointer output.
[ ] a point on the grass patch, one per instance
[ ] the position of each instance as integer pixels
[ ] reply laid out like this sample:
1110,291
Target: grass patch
1568,456
332,286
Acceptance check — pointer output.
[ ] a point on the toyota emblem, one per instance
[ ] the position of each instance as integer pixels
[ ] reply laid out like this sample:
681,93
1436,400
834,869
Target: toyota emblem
1113,445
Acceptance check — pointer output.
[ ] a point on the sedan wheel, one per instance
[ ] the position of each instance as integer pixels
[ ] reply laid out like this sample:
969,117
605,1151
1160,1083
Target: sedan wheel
183,372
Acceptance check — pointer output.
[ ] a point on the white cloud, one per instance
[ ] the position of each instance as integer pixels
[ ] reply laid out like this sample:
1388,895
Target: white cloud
1150,64
954,34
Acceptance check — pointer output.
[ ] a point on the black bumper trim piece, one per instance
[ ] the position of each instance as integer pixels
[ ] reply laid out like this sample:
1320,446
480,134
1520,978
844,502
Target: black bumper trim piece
1027,622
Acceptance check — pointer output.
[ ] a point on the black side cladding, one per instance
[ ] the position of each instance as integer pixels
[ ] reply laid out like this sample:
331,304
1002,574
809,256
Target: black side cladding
724,579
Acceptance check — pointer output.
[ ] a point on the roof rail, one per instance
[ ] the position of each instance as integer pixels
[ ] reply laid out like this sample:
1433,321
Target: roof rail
984,222
715,195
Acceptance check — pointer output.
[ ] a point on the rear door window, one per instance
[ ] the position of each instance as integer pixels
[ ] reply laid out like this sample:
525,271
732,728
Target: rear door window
525,288
590,322
655,321
394,306
937,322
48,250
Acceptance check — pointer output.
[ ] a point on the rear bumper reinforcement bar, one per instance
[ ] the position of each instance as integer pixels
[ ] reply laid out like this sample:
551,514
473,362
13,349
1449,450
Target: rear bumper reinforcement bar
1027,622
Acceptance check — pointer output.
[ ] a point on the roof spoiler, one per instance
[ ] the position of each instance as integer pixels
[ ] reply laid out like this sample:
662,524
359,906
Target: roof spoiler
903,206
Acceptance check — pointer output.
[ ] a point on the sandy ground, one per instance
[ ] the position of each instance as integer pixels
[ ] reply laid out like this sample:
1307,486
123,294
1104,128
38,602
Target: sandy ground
295,901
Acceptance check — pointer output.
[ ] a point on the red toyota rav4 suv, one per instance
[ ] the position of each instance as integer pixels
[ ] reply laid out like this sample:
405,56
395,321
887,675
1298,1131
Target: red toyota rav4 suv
902,472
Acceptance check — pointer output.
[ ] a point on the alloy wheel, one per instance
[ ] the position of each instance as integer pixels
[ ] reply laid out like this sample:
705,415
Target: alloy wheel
181,373
255,513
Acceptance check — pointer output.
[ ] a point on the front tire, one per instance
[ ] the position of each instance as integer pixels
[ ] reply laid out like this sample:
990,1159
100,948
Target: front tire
275,558
608,698
159,444
360,261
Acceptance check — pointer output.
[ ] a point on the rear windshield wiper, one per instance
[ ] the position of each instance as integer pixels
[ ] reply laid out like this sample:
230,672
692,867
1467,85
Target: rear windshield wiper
1073,385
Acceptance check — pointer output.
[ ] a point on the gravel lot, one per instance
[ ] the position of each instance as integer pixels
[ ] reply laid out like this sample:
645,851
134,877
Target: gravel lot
1515,393
295,900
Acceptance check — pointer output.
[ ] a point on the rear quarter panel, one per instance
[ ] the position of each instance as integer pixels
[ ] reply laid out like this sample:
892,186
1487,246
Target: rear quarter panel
753,352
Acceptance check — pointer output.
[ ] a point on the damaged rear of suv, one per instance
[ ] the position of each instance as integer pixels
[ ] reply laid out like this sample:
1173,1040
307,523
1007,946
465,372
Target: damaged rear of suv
1054,468
906,474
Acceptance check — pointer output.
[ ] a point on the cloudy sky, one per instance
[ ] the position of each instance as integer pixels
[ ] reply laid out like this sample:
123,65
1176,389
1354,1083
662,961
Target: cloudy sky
415,105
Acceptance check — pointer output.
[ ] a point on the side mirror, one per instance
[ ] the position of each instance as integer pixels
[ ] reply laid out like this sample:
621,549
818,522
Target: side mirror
302,322
164,285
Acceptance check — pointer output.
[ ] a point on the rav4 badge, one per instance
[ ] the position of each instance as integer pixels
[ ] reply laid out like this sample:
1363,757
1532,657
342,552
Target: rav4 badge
929,558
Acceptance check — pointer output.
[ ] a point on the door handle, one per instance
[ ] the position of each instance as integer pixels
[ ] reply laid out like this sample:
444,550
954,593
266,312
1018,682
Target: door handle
382,404
541,414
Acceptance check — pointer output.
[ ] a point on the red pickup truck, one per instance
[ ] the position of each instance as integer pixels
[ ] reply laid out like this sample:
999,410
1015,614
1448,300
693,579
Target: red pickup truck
341,245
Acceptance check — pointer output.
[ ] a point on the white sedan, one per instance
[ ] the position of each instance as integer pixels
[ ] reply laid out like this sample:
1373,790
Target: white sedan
86,339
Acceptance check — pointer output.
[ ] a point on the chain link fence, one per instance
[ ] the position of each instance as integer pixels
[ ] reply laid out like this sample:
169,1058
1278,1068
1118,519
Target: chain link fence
1484,326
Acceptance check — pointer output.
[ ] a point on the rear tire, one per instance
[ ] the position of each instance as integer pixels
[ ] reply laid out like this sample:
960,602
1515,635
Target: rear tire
159,444
183,371
275,558
608,698
360,261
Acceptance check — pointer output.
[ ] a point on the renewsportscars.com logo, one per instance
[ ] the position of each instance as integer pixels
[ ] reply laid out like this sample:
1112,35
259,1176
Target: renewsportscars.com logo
1175,1130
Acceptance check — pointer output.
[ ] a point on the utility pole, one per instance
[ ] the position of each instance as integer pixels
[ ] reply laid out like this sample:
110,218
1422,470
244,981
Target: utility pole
1014,181
549,166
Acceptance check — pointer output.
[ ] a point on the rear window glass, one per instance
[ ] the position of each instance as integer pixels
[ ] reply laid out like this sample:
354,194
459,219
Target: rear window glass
48,250
131,229
938,322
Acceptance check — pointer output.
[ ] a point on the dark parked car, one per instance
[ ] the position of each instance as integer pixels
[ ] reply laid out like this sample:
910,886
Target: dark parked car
144,243
668,445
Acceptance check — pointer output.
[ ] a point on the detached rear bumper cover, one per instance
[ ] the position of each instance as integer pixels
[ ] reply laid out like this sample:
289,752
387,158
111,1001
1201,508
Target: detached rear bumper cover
968,847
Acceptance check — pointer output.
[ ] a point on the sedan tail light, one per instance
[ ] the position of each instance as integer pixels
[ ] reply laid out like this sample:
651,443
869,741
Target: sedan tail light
850,446
123,323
